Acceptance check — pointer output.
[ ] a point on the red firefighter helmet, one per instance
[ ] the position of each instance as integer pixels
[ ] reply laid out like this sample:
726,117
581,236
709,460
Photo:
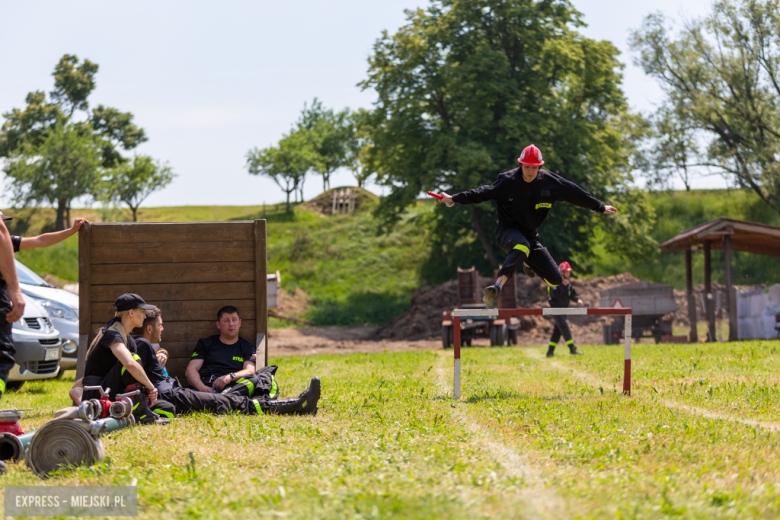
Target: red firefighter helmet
531,156
565,267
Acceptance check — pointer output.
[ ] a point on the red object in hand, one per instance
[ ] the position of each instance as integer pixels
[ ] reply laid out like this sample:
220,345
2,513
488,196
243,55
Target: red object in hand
435,195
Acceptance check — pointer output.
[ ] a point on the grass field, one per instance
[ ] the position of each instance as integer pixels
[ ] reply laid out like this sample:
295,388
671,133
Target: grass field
532,438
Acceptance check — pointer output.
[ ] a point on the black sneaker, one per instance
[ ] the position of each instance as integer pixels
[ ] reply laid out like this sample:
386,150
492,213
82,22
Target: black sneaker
551,352
530,273
491,294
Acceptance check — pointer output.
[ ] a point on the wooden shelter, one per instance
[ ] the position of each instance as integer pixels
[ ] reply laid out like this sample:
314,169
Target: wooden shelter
188,269
729,235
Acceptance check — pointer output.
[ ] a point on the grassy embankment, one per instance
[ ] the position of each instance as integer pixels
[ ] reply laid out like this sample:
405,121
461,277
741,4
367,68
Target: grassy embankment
532,438
353,275
358,277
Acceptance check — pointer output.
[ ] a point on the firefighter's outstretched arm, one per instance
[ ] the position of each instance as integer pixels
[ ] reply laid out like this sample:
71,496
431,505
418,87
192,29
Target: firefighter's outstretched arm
446,199
609,210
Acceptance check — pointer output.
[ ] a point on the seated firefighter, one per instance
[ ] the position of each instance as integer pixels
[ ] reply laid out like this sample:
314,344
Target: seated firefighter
113,363
258,402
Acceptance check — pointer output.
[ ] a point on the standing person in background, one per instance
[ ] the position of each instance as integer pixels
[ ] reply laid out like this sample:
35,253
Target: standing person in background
11,299
11,307
559,297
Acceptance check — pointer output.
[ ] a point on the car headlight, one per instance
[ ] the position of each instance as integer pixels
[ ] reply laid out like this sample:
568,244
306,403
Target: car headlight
59,310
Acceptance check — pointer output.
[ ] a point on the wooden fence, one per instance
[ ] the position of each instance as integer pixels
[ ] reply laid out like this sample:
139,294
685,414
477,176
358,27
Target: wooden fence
189,270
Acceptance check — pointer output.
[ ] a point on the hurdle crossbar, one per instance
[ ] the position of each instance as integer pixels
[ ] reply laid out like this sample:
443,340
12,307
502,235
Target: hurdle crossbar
491,314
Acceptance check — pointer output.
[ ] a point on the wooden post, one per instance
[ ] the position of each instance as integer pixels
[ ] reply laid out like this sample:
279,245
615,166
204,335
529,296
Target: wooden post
708,300
694,335
261,293
85,307
731,301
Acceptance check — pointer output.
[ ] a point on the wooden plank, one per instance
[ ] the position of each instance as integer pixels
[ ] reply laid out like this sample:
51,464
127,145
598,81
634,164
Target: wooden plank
176,368
178,349
177,252
119,274
203,310
131,232
192,331
261,294
85,319
158,293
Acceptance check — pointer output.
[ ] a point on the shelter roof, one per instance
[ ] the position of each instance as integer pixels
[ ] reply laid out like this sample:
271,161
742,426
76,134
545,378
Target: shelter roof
753,237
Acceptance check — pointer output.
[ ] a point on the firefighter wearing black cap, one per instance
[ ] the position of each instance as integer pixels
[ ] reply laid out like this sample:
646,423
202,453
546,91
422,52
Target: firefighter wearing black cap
559,297
524,197
112,362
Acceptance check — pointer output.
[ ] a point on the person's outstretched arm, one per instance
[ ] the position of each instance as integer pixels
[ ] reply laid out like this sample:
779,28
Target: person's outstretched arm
573,194
8,270
49,239
475,196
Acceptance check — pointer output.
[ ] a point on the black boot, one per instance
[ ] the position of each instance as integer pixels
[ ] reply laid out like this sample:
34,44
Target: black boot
528,271
491,294
573,350
304,404
551,351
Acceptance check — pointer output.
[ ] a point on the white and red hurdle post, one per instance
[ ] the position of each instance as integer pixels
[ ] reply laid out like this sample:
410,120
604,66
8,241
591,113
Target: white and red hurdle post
492,314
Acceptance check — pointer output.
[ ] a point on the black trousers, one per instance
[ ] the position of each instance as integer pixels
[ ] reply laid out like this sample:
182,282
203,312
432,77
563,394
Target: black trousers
526,248
188,400
260,384
7,349
561,326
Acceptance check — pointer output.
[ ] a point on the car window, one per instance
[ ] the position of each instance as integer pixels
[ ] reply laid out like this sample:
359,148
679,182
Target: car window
27,276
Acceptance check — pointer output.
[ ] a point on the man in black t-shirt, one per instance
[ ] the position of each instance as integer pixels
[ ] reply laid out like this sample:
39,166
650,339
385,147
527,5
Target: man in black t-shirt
188,400
225,360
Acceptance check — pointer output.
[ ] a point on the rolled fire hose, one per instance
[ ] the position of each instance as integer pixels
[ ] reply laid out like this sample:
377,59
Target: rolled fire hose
62,443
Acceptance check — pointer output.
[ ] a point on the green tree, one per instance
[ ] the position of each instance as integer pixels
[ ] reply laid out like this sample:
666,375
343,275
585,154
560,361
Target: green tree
287,163
64,166
721,77
332,137
65,111
131,183
464,86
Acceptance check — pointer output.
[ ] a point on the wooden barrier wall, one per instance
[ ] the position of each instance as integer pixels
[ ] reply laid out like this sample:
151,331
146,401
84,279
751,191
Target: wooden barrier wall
189,270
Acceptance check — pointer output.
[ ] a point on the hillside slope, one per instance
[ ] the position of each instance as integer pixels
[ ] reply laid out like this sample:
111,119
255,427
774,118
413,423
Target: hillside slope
352,276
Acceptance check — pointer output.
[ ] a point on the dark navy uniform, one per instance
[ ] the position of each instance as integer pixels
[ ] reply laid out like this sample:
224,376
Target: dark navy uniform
522,207
559,297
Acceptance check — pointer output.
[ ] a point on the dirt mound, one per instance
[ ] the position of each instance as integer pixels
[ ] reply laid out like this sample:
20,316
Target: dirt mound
323,203
423,320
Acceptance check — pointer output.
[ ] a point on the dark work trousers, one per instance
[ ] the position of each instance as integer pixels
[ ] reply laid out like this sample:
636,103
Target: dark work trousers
7,349
526,248
188,400
561,326
260,384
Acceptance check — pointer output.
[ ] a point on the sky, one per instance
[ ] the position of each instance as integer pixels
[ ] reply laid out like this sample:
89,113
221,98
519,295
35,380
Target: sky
208,81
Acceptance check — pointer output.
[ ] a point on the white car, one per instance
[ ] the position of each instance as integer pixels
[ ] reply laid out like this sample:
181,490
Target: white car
38,346
61,307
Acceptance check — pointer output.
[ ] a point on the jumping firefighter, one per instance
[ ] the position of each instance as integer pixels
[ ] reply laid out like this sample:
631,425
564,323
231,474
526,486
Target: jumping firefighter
559,297
524,197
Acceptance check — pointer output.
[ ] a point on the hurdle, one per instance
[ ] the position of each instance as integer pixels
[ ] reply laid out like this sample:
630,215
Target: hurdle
491,314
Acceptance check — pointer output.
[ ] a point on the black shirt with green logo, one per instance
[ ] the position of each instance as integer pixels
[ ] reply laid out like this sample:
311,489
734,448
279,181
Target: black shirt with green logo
220,359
